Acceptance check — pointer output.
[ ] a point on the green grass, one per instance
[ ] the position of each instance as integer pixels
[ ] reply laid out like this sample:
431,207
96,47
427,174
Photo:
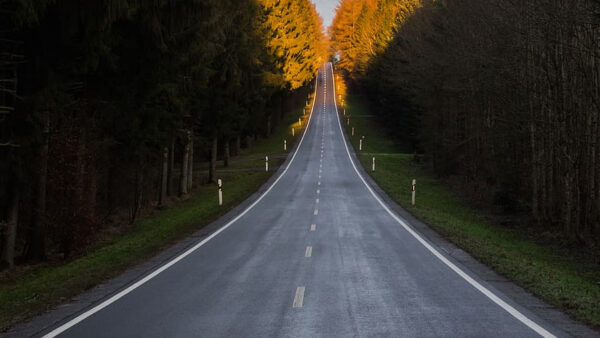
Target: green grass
26,294
541,268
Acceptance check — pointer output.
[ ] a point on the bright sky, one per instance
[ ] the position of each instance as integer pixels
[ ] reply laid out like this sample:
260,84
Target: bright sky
326,9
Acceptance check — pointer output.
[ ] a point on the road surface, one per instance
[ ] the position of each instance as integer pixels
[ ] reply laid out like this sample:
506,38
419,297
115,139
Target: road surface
318,255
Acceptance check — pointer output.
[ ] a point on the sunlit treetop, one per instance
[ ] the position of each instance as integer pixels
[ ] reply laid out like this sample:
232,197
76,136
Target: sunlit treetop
362,29
295,39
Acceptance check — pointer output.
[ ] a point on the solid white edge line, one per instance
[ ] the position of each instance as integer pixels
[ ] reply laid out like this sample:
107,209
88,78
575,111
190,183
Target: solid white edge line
507,307
156,272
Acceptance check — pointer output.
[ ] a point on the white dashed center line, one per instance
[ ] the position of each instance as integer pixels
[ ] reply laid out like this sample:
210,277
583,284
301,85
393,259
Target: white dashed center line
313,227
308,252
316,212
299,298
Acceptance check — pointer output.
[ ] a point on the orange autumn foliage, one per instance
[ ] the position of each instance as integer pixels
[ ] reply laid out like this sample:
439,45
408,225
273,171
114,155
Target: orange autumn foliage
362,29
295,40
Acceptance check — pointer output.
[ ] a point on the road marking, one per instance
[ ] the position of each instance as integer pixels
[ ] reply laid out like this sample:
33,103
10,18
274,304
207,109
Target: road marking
316,212
318,191
308,252
317,201
299,298
507,307
57,331
319,183
313,227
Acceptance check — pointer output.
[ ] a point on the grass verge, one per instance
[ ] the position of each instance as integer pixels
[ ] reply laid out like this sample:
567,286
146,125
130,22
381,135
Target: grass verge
559,279
26,294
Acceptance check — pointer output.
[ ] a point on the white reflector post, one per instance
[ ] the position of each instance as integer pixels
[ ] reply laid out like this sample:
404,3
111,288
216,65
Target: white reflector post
414,191
220,191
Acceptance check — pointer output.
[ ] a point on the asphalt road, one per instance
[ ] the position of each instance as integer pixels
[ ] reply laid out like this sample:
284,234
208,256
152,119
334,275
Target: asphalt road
319,255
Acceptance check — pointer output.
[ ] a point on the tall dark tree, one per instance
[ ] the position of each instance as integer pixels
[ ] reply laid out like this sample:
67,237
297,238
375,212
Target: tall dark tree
502,94
117,100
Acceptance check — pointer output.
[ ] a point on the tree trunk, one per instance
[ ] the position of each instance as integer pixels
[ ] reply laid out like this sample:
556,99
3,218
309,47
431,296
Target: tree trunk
170,189
138,191
268,132
164,182
8,255
276,117
36,250
213,160
226,154
238,145
190,164
184,167
249,142
278,111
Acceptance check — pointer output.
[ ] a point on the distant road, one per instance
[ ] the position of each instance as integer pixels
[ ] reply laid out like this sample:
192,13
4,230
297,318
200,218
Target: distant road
318,255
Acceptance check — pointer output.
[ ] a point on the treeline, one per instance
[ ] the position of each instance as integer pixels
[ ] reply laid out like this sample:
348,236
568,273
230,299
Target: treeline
105,106
504,94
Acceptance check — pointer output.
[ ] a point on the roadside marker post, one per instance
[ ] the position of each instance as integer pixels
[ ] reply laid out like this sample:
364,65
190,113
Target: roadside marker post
348,121
352,131
220,192
373,163
293,132
360,144
414,191
266,163
284,145
300,121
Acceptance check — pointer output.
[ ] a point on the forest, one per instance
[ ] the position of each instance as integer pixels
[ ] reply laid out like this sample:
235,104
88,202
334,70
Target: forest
105,106
501,95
